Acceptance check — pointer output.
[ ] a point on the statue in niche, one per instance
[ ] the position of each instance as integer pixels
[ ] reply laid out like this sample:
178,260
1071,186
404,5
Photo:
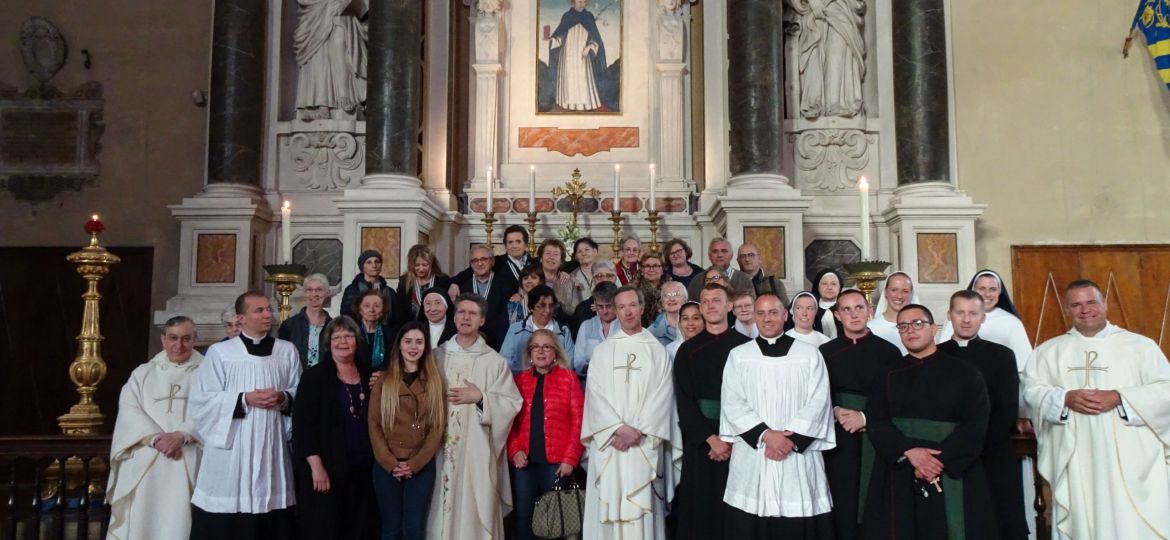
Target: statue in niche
576,76
330,46
830,57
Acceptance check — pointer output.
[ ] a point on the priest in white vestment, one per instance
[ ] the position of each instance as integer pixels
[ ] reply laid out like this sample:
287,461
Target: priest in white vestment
631,431
1100,400
474,492
776,411
155,452
241,399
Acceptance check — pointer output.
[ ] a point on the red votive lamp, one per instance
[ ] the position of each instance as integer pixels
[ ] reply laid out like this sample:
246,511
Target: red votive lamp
94,225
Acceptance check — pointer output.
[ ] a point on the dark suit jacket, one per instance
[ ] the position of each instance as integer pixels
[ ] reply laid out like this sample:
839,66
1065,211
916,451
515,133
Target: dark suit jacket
502,289
402,311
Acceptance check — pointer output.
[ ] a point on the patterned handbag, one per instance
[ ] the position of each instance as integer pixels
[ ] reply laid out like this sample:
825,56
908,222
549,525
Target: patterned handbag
558,513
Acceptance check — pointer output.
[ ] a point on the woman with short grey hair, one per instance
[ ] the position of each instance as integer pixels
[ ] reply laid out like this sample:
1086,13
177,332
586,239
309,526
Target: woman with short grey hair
304,328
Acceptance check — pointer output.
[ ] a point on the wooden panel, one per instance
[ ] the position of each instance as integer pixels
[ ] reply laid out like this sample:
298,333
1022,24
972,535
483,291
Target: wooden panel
770,242
388,242
215,259
1134,279
40,315
938,258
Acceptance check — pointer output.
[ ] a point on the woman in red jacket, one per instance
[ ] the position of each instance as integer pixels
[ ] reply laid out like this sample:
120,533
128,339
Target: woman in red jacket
545,441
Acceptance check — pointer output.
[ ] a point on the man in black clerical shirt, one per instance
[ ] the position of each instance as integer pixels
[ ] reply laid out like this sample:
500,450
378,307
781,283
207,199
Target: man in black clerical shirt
927,419
492,286
856,361
698,378
997,364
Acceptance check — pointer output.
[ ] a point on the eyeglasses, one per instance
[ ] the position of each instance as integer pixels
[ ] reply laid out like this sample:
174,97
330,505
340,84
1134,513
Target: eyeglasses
605,275
342,337
545,348
478,260
679,251
652,266
674,294
714,278
916,324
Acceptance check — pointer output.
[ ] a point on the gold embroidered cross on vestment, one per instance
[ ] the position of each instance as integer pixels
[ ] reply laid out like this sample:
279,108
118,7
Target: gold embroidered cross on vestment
1089,368
630,357
170,399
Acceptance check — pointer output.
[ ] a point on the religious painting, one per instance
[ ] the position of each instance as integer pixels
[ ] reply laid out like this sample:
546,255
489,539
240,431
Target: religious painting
578,56
938,258
770,242
215,258
388,242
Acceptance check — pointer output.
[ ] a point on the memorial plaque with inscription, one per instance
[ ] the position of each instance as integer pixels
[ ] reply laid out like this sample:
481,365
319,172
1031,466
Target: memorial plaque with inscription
49,140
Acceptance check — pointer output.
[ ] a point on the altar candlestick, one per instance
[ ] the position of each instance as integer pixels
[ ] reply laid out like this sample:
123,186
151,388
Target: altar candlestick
617,188
532,188
490,181
286,233
863,189
653,203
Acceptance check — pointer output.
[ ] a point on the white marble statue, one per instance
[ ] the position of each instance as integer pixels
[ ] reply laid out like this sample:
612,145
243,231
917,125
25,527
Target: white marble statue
330,45
830,56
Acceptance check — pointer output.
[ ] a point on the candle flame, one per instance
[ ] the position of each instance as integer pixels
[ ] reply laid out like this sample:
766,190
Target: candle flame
95,218
863,184
617,167
652,166
532,168
287,205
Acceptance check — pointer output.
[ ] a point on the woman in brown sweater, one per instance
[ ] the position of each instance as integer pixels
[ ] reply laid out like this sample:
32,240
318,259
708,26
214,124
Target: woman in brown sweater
407,420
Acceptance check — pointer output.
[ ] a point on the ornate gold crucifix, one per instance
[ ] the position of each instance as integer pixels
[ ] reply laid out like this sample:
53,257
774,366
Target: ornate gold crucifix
575,190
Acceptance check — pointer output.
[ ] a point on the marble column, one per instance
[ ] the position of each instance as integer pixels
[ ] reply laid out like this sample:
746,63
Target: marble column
920,91
394,93
236,115
755,87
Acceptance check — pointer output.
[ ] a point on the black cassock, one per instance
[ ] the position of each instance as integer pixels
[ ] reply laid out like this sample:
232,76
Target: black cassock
937,402
1005,477
854,367
698,380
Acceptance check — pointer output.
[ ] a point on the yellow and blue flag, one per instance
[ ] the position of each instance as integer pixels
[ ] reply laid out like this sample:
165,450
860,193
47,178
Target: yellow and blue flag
1153,19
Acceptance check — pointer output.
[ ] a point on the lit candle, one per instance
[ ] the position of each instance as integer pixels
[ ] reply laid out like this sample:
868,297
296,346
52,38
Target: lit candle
532,188
489,190
863,188
286,233
617,188
653,201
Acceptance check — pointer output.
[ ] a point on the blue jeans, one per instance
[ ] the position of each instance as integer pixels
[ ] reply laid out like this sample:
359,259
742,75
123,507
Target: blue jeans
528,484
403,504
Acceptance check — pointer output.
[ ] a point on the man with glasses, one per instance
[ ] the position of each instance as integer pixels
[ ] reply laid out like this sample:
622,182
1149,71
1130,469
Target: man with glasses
927,419
748,257
493,287
856,361
596,329
719,253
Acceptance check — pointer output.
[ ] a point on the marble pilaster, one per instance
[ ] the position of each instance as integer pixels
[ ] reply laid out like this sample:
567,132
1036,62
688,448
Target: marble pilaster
672,101
487,68
920,91
236,108
394,97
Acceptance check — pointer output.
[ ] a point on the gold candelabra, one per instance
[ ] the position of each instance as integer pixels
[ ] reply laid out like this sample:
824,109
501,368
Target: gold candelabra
88,369
867,274
531,219
652,217
616,218
285,279
489,218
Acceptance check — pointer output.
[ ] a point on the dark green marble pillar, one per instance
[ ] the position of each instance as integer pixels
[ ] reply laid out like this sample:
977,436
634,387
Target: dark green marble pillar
755,85
920,91
236,109
394,98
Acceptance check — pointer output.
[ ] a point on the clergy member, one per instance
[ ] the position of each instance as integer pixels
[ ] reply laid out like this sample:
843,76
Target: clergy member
776,410
856,360
698,381
927,418
241,398
155,453
1100,399
630,429
997,364
473,492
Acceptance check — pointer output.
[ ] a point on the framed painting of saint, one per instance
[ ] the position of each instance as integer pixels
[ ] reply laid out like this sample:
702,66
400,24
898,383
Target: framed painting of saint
579,56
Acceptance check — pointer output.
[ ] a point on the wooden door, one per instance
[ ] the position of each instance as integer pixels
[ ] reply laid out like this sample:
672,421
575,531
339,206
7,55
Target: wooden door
1134,278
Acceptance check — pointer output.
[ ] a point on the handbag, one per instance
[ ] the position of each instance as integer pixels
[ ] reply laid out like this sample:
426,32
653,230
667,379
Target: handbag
558,513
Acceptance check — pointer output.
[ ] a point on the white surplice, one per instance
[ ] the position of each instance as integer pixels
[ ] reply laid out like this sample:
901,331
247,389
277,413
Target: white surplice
150,494
1003,328
887,331
472,493
1110,473
630,383
787,393
247,462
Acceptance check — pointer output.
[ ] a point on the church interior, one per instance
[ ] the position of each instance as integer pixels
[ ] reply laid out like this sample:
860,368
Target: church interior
201,143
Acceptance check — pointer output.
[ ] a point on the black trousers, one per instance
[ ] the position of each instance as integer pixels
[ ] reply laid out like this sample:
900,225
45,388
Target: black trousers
215,526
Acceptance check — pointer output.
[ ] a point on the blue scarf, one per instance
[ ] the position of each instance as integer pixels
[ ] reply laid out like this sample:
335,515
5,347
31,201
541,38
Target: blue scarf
377,348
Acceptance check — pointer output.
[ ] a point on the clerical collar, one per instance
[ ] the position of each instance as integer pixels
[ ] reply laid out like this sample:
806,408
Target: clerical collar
256,341
772,340
962,342
262,347
775,347
855,341
826,304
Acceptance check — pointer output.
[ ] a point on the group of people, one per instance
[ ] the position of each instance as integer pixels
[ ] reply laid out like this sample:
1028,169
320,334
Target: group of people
699,403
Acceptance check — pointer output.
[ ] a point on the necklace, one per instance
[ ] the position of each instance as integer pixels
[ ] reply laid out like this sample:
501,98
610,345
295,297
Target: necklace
349,395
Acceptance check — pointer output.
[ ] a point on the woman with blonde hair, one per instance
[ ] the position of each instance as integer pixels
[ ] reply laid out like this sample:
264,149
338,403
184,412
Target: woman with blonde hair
408,416
422,273
545,440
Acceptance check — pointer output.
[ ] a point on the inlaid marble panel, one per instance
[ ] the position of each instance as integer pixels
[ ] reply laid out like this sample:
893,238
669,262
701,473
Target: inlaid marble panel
770,242
938,258
830,254
320,255
215,258
571,142
388,242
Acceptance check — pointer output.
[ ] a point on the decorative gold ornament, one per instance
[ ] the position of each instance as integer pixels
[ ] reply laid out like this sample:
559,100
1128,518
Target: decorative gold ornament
489,218
88,369
285,279
616,218
576,190
652,217
531,219
867,274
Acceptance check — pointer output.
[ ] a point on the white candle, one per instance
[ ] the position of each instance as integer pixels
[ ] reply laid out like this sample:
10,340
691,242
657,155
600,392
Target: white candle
617,188
863,189
532,188
653,203
490,181
286,233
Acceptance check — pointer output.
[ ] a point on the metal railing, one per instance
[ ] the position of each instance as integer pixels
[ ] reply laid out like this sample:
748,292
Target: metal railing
55,487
